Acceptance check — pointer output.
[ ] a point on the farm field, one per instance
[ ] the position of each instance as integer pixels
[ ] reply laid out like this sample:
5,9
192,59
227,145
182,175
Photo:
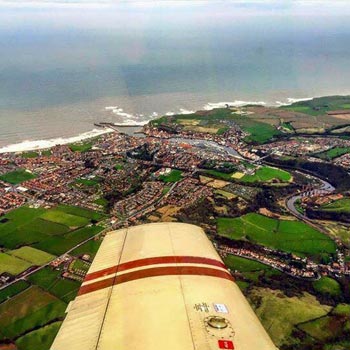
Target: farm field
289,236
267,174
53,230
17,176
32,255
39,339
338,206
91,247
13,290
30,309
327,285
243,264
280,314
333,153
320,106
12,265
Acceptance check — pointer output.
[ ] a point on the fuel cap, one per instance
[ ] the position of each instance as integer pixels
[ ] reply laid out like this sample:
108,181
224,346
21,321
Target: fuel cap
217,322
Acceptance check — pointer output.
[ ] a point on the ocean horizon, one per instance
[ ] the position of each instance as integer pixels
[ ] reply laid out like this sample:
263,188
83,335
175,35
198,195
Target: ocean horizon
64,69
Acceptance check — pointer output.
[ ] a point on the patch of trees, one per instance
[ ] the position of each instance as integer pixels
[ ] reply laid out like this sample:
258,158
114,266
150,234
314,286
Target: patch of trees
334,174
142,152
223,167
327,215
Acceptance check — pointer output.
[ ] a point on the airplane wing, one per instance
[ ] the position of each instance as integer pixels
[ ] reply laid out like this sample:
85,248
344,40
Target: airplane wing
160,286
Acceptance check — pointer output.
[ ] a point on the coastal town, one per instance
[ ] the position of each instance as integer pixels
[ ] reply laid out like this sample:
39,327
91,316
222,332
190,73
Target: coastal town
259,203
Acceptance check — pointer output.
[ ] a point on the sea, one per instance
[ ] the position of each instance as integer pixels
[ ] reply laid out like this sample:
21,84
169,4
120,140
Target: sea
65,66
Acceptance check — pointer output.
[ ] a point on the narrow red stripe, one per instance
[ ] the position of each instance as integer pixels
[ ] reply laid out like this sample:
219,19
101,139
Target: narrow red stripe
154,272
153,261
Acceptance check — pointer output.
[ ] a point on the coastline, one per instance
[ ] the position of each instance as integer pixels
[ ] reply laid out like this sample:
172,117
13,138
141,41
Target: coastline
32,145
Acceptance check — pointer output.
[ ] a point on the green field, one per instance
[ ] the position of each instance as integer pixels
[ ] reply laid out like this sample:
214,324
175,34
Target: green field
327,286
32,255
119,167
319,329
17,176
59,245
289,236
35,227
88,182
91,247
39,339
267,174
30,154
45,277
279,314
78,211
12,290
12,265
320,105
26,311
51,281
63,218
174,176
259,132
342,310
244,265
338,206
81,147
219,174
333,153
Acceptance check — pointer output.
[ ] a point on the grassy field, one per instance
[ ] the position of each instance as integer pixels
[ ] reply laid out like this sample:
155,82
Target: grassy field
333,153
279,314
91,247
30,154
88,182
338,206
30,309
17,176
267,174
63,218
32,255
81,147
35,227
289,236
78,211
41,338
64,289
59,245
174,176
320,106
244,265
12,290
12,265
45,277
327,286
259,132
342,310
319,329
51,281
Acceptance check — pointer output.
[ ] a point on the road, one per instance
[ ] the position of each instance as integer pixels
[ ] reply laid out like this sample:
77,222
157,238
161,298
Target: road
325,187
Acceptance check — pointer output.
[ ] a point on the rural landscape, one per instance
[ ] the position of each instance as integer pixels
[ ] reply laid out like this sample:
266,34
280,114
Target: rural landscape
270,186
